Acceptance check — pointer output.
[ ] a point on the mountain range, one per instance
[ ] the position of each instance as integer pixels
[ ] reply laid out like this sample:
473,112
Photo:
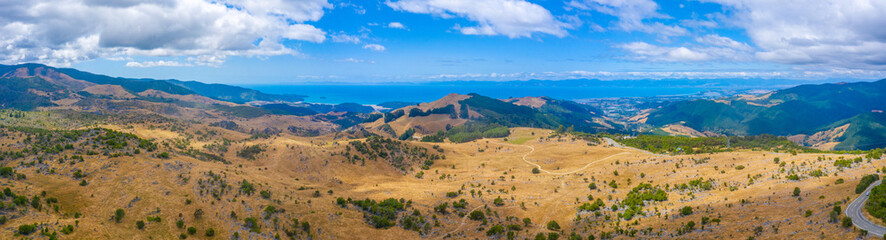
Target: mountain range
840,116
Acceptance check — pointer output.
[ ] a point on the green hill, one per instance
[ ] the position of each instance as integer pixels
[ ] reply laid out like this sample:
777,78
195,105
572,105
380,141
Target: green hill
866,131
799,110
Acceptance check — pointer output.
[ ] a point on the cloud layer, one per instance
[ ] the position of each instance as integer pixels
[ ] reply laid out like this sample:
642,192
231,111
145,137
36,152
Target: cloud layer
844,33
512,18
60,32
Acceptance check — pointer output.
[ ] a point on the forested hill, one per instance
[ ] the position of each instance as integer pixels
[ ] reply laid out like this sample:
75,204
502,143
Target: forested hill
805,109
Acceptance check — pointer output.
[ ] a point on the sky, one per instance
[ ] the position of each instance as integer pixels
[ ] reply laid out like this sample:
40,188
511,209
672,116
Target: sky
333,41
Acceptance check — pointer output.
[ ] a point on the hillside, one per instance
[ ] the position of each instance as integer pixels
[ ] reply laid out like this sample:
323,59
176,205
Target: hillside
455,110
76,80
804,109
864,132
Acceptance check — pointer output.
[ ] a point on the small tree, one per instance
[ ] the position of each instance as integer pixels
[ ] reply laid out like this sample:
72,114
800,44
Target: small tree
140,224
796,191
192,230
26,229
685,211
535,170
477,215
847,222
498,201
118,215
553,226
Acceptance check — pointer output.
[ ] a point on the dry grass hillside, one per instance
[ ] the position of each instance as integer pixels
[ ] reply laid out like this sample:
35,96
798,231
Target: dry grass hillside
216,180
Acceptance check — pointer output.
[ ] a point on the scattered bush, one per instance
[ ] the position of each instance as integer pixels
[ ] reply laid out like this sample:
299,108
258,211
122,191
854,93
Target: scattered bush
118,215
686,211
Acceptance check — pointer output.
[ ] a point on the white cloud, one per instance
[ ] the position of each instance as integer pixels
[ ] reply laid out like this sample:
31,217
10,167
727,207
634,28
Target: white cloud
354,60
396,25
645,51
60,32
631,15
717,40
160,63
345,38
836,33
708,47
512,18
374,47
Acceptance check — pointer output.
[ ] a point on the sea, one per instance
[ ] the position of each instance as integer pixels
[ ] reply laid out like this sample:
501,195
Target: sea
417,93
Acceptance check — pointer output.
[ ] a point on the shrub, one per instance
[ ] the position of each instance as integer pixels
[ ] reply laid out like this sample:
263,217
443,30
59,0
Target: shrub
553,226
495,230
67,229
498,201
26,229
592,186
180,224
192,230
210,232
118,215
252,224
477,215
739,167
140,224
796,191
847,222
685,211
535,170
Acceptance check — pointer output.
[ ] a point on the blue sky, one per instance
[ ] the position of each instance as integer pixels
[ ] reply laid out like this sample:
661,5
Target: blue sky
280,41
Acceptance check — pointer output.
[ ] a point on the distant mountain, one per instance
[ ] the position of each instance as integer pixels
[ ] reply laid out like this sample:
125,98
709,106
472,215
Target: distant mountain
76,80
805,109
233,93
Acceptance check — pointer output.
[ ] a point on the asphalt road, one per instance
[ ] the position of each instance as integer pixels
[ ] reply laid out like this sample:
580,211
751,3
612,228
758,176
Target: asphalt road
854,211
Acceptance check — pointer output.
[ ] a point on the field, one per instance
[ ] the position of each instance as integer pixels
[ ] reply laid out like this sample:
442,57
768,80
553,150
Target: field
279,185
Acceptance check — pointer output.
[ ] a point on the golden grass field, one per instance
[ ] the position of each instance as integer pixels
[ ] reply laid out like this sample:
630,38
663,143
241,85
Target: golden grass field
754,201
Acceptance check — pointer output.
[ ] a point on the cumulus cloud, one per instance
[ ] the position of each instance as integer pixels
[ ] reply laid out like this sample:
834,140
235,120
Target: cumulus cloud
840,33
632,15
512,18
60,32
374,47
708,47
396,25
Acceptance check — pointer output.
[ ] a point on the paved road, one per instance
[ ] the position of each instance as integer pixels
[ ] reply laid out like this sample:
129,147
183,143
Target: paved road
854,211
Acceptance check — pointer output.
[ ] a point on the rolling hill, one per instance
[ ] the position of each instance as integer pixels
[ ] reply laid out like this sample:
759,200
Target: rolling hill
805,109
455,110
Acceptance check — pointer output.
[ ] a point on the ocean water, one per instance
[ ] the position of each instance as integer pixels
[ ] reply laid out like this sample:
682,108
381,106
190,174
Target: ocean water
375,94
